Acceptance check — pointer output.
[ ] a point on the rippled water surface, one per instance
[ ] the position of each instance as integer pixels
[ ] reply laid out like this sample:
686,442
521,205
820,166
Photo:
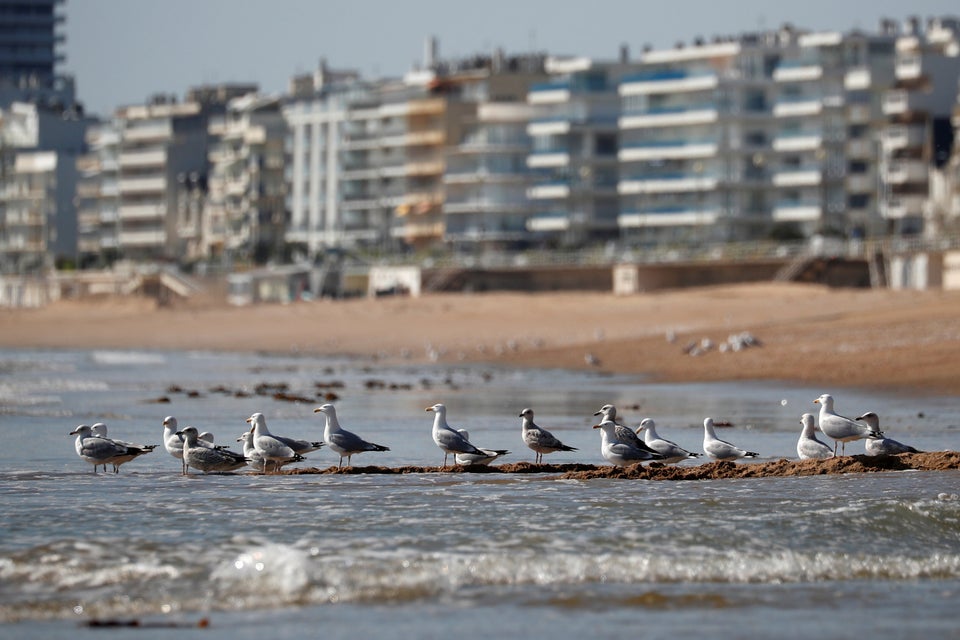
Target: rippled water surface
430,555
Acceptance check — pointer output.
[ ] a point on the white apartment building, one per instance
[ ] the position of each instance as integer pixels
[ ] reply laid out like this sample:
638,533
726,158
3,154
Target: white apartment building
98,196
695,141
829,87
245,209
574,156
918,110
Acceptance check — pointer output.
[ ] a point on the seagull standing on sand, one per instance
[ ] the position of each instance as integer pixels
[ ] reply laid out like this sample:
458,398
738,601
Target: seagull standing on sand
809,447
882,446
538,438
274,451
468,459
451,440
208,459
619,453
839,428
670,450
721,449
624,433
344,442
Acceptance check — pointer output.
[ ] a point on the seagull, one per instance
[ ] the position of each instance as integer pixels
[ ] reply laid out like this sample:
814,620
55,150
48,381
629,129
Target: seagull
172,442
619,453
254,459
670,450
489,455
623,432
809,447
344,442
538,438
97,450
100,429
882,446
448,439
721,449
274,451
839,428
208,459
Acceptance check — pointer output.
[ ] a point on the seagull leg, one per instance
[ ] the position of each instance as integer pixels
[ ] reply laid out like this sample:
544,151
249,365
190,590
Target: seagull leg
340,464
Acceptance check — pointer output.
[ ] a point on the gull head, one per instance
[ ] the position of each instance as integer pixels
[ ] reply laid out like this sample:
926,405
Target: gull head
607,411
82,430
245,437
527,413
871,419
189,434
325,409
646,423
607,426
257,422
99,429
808,422
170,421
438,408
825,400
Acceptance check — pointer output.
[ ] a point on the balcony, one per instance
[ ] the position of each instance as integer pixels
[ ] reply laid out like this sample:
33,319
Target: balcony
142,212
903,137
901,102
667,82
548,222
549,93
909,67
144,133
798,211
676,117
858,79
418,230
905,206
798,141
668,150
677,183
425,168
798,107
798,71
809,176
668,216
551,127
142,238
551,191
151,158
861,183
548,159
906,172
142,185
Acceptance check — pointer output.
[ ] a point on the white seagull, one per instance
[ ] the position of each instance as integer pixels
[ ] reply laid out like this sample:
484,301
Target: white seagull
451,440
839,428
809,447
721,449
623,432
882,446
619,453
488,456
344,442
670,450
135,448
538,438
274,451
208,459
97,450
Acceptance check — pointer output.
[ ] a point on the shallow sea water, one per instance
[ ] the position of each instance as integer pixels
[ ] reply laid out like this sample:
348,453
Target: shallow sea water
430,555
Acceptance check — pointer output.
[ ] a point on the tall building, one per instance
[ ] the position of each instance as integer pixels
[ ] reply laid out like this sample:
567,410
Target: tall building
98,196
574,156
30,39
695,149
918,136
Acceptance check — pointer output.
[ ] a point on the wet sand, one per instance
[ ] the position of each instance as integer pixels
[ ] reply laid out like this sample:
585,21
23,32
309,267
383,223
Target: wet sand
930,461
904,341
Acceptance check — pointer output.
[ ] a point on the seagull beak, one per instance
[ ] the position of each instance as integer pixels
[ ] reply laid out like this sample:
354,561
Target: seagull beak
179,433
249,420
429,409
598,413
817,401
596,426
73,433
317,410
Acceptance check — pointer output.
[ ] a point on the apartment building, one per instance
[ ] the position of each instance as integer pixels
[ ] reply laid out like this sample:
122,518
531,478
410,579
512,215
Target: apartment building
829,87
696,130
245,210
38,152
30,51
98,196
574,158
919,135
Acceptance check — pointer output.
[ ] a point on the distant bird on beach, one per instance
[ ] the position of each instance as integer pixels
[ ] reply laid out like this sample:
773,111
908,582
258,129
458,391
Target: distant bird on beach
622,432
721,449
489,455
539,439
344,442
621,453
809,447
670,450
208,459
882,446
450,440
103,451
173,442
839,428
273,449
100,429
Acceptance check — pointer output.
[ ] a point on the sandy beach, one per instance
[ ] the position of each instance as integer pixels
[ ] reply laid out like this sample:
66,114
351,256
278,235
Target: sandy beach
897,340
